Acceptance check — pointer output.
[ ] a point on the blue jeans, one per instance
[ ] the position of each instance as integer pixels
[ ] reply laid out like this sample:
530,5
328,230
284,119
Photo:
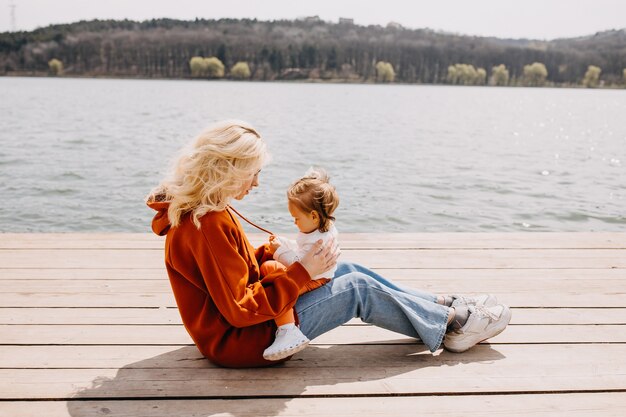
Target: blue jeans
359,292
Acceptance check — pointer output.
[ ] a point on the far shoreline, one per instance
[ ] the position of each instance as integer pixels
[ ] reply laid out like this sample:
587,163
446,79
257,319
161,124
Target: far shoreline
14,74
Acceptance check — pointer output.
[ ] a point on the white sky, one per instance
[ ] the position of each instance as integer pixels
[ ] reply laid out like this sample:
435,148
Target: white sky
536,19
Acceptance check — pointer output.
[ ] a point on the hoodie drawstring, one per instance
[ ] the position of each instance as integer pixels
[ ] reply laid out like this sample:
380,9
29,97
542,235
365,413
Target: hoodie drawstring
258,227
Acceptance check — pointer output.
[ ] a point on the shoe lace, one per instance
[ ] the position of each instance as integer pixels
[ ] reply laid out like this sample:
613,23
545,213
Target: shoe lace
485,312
467,300
464,299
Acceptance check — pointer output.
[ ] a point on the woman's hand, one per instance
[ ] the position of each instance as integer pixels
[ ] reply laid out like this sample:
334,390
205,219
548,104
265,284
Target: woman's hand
320,257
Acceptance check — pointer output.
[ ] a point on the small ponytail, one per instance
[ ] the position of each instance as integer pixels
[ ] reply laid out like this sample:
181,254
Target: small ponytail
317,174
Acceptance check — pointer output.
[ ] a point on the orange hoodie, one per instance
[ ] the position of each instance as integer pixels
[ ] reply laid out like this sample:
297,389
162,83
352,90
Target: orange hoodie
225,305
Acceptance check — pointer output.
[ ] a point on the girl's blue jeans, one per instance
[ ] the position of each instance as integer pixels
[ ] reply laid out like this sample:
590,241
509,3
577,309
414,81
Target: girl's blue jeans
356,291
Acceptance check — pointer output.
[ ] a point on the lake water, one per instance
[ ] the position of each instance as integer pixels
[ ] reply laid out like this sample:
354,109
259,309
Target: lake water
81,154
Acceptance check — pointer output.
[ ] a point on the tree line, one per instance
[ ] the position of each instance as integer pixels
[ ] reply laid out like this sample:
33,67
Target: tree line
305,49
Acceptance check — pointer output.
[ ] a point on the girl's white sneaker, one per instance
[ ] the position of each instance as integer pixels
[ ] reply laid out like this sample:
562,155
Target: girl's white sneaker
288,342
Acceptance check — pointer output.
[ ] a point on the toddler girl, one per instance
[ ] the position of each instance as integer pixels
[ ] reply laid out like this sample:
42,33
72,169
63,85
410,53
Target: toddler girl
312,201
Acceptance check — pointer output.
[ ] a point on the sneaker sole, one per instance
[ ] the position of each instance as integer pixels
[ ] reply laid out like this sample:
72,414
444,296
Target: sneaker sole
502,323
286,353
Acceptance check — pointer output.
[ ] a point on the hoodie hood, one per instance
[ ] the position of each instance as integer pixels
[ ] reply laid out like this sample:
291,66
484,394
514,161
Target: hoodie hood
160,222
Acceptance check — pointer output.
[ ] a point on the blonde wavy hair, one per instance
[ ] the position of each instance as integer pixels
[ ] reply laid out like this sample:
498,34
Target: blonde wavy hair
211,171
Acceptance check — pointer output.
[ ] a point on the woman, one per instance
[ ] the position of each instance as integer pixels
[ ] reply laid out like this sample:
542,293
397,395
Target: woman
228,308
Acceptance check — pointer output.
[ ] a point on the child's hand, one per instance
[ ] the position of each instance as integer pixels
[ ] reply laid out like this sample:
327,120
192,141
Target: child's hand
274,244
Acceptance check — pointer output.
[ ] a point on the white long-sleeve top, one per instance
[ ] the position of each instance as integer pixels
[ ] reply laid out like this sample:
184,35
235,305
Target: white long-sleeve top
291,251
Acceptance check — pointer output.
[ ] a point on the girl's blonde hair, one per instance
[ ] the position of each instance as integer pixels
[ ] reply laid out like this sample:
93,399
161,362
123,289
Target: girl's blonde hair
313,192
211,170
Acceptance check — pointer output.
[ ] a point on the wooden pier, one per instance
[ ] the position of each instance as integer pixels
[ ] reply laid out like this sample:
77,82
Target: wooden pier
89,327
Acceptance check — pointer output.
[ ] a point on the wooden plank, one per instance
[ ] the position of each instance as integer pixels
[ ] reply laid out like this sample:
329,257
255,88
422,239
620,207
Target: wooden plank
101,356
56,288
80,240
110,356
540,300
606,404
383,258
421,274
569,316
159,316
81,287
496,284
502,240
165,300
176,335
86,315
578,240
105,299
341,370
88,274
477,275
522,334
177,356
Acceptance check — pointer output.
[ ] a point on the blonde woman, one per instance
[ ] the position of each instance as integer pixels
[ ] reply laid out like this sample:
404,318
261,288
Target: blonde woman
229,308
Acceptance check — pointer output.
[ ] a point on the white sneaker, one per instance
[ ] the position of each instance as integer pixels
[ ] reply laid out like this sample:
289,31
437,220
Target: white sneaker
482,324
487,300
288,342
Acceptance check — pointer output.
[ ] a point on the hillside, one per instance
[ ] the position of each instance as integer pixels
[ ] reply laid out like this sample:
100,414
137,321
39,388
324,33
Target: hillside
298,49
